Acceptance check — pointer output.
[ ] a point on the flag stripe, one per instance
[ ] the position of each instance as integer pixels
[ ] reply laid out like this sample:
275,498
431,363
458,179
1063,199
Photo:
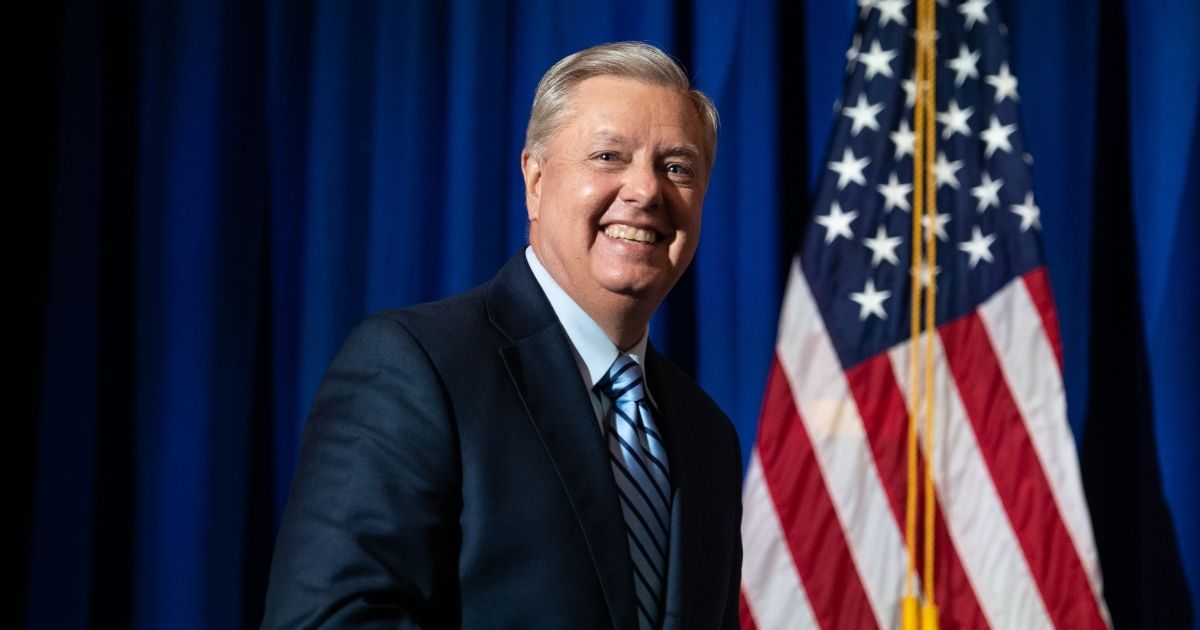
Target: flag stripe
810,523
839,442
885,417
1038,284
746,619
1018,476
978,523
771,593
1013,320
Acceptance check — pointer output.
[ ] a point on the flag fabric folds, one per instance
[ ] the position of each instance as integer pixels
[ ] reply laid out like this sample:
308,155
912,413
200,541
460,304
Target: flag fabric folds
825,493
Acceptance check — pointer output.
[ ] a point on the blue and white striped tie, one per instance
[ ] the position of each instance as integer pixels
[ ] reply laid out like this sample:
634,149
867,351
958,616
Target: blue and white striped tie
639,464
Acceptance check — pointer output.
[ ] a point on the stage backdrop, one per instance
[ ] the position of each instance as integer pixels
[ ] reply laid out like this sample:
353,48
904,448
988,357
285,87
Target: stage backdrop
230,186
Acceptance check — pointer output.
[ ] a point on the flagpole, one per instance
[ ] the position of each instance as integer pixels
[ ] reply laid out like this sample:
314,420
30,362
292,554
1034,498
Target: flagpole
927,29
909,612
922,270
927,49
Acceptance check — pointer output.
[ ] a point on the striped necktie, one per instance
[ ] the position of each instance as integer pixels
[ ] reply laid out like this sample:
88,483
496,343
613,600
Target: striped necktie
639,465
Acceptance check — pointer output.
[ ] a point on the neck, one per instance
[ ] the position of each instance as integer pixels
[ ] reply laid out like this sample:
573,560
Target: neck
622,317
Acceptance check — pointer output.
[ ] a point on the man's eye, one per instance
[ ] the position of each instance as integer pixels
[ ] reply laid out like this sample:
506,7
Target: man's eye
606,156
678,169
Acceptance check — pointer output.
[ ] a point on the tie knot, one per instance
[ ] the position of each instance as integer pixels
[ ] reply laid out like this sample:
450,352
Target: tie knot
623,383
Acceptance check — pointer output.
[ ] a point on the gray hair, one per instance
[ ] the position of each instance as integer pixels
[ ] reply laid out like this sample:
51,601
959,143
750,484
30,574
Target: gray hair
628,60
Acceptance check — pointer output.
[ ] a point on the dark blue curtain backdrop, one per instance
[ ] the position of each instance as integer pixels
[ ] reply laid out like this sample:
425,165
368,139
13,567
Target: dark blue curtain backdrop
226,187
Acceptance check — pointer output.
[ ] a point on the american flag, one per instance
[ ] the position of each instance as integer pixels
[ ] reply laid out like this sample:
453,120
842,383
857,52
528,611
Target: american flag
823,526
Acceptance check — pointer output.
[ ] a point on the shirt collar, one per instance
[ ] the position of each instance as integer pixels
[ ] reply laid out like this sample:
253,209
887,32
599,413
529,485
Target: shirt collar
594,351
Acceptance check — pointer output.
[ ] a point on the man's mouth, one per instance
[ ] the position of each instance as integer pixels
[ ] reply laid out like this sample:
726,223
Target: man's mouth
628,233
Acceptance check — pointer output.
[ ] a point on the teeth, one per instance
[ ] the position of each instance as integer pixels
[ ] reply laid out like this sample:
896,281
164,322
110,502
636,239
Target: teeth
631,233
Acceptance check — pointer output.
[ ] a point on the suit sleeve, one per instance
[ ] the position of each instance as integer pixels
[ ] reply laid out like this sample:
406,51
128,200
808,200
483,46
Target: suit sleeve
369,537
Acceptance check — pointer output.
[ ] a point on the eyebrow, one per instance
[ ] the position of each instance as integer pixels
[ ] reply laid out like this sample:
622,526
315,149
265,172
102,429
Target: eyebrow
683,150
686,150
609,136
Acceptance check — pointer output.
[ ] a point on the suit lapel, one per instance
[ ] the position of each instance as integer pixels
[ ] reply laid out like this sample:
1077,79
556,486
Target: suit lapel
546,377
671,416
673,619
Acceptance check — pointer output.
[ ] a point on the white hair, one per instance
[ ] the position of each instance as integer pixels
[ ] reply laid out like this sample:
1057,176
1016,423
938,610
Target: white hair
629,60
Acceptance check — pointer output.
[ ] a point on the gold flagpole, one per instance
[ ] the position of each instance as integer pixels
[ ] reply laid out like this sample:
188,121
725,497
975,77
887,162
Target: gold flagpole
924,260
929,615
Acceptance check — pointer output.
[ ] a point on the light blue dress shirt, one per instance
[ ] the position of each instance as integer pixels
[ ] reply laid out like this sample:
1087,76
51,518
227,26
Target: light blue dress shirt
594,351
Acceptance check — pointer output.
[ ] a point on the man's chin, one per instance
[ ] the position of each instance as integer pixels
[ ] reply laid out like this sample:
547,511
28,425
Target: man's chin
645,287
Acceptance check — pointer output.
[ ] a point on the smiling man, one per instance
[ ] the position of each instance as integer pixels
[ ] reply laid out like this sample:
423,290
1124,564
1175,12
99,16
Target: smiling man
519,456
615,193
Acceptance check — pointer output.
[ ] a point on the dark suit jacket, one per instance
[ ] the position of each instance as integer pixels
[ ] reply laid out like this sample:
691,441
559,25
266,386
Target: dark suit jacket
453,474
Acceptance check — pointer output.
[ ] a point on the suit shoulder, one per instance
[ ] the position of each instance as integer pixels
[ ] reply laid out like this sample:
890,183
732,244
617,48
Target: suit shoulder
457,326
453,314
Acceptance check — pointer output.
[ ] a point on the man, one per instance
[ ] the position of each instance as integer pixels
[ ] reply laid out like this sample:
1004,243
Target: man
518,456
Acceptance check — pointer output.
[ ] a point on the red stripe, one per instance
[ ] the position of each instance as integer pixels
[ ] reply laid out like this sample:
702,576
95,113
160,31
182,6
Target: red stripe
885,418
810,525
1038,284
1018,476
746,617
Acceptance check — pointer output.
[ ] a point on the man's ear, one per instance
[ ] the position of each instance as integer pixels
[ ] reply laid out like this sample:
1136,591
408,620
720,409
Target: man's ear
531,168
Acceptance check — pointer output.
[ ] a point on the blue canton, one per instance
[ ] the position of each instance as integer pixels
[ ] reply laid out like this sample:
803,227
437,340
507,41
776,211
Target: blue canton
857,249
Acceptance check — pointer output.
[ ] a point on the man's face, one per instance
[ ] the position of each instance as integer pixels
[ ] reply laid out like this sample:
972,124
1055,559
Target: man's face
614,201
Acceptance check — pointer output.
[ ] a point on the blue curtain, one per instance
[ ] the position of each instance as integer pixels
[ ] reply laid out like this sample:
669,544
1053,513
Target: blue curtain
227,187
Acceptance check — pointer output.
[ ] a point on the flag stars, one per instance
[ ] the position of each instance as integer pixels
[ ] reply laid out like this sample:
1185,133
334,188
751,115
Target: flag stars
870,301
877,60
954,120
964,65
910,92
891,11
926,35
1031,215
974,11
979,247
883,247
895,194
945,171
1005,84
852,52
904,139
837,223
850,169
925,275
863,114
987,192
937,224
996,137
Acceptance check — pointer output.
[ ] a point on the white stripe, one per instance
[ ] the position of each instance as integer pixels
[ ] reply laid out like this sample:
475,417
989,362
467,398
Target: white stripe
978,524
842,449
770,580
1031,369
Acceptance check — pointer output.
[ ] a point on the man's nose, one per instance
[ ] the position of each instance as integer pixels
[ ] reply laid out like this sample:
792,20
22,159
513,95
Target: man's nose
643,185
